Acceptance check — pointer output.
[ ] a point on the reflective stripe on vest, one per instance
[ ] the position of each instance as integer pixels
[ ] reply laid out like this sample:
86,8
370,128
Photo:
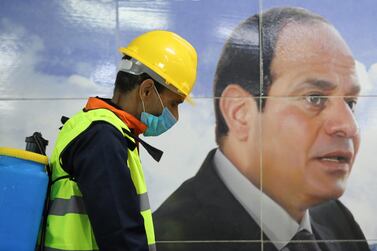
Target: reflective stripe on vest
68,225
75,205
151,247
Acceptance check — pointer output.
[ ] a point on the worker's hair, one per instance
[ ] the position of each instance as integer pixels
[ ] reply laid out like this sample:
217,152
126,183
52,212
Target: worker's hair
126,82
239,62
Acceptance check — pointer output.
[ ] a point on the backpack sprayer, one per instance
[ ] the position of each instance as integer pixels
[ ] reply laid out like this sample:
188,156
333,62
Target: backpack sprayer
24,179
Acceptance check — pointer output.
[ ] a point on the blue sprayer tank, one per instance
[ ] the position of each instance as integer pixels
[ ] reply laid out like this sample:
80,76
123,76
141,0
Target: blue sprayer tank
23,186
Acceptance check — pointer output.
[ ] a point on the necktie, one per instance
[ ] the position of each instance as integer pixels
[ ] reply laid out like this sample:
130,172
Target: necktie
306,245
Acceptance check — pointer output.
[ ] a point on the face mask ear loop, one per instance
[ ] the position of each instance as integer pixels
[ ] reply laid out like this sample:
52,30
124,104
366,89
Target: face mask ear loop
162,104
142,102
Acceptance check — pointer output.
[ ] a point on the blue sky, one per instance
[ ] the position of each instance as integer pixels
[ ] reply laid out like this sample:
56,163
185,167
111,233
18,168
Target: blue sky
78,36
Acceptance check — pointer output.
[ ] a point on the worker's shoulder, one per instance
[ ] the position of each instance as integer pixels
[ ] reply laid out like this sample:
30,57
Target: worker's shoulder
101,130
78,123
99,133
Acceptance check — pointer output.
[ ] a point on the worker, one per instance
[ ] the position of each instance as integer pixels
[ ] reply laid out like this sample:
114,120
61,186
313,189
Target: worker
99,198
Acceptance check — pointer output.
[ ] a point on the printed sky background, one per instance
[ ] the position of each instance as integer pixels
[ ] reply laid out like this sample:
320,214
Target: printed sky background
54,54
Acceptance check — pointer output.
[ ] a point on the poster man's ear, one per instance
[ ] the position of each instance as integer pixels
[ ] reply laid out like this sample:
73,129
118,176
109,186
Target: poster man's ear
238,108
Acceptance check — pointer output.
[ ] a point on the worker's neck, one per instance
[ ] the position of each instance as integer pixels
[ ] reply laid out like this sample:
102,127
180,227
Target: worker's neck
128,102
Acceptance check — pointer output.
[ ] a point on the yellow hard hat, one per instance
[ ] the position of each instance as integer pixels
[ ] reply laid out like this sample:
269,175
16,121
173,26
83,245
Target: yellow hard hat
169,56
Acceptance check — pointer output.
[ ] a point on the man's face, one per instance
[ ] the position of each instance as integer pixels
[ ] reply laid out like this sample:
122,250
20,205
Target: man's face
169,100
309,141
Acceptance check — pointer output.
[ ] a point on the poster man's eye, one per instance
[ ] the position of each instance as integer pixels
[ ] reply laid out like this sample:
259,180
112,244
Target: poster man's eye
316,100
352,104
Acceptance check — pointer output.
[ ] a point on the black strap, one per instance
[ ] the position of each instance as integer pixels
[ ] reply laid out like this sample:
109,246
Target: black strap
130,144
153,151
63,119
47,208
39,143
63,177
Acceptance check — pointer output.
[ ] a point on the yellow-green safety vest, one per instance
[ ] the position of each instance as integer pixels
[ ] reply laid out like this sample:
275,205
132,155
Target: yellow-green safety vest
68,225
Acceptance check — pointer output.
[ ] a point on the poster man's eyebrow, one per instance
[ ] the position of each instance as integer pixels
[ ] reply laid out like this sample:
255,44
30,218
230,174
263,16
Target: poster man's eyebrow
355,90
325,85
318,84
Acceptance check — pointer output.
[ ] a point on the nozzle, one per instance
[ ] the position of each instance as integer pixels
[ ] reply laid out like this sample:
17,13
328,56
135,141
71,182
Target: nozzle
36,143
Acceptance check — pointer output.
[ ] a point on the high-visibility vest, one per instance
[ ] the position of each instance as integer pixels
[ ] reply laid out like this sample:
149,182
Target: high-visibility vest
68,225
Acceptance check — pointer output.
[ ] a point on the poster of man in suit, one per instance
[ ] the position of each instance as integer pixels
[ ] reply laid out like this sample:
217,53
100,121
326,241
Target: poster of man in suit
287,139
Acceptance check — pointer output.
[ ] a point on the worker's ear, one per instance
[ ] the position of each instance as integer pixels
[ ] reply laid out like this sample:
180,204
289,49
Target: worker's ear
239,109
146,89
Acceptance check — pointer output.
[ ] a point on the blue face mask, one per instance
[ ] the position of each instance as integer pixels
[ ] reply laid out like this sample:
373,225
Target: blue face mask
157,125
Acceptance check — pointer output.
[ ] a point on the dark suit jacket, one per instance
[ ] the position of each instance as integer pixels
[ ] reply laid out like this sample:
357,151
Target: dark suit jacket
202,210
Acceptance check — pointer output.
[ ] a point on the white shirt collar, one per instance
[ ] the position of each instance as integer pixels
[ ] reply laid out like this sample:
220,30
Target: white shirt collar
278,225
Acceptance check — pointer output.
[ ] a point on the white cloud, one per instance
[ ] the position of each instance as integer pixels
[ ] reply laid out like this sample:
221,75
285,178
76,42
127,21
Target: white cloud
24,80
104,73
137,16
91,14
12,50
102,14
224,30
364,78
360,193
20,118
6,107
372,74
81,82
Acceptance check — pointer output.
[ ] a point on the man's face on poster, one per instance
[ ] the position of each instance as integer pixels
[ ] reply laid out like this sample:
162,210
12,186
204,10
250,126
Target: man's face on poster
309,132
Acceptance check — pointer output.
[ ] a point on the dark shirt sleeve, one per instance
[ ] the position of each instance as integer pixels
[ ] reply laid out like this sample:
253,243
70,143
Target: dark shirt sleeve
97,159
